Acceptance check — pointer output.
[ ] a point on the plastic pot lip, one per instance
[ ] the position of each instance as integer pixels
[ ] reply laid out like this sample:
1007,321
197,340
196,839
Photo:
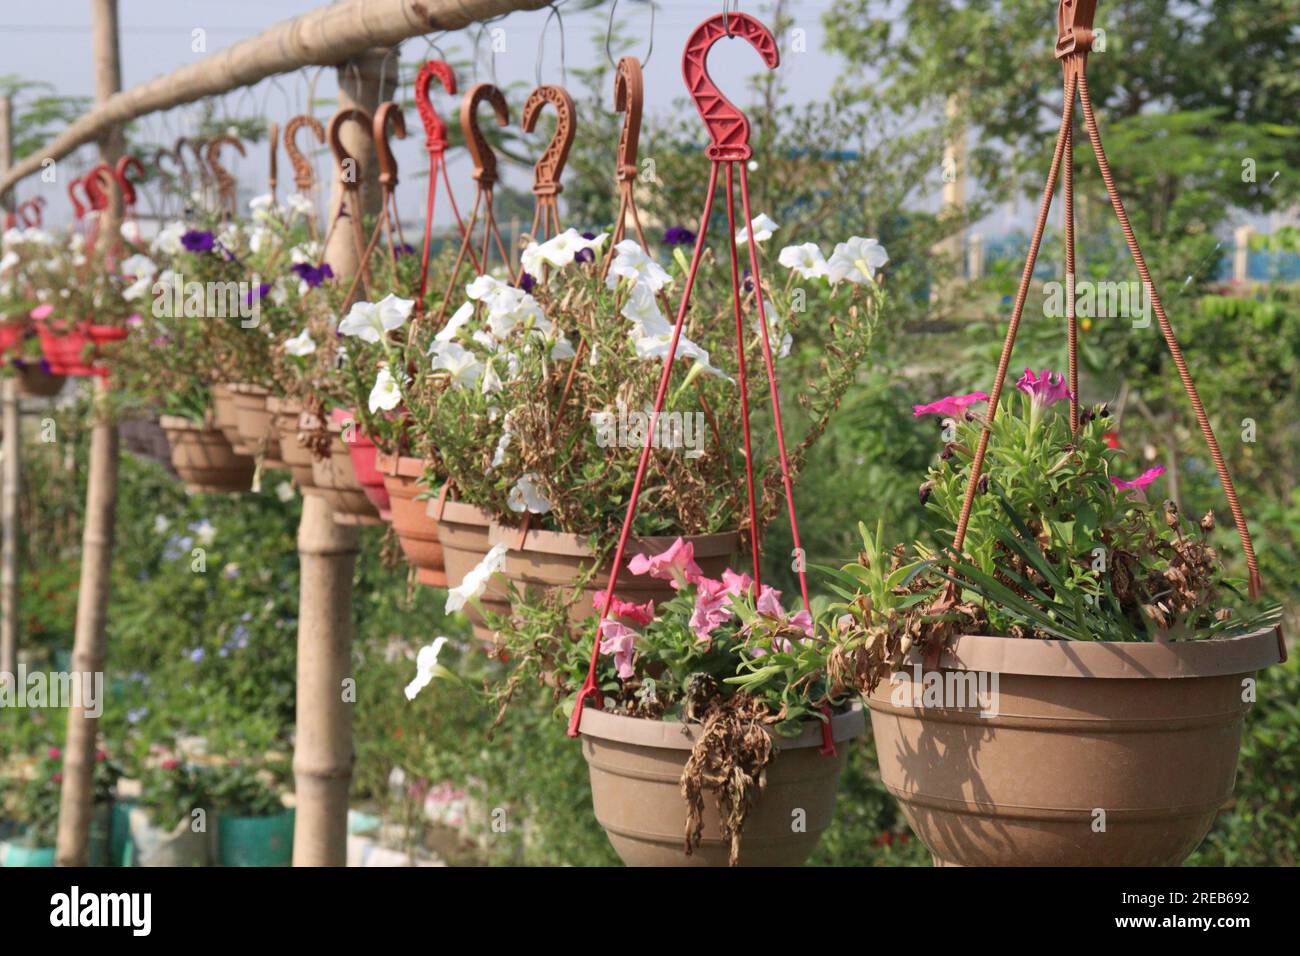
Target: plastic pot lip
721,544
1141,660
179,423
674,735
282,406
400,466
247,389
460,512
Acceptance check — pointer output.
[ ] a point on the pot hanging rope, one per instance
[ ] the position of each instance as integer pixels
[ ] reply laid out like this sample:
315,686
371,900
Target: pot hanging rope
728,151
1073,43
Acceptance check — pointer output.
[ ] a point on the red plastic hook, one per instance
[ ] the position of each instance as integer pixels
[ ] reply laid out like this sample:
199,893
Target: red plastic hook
30,211
125,165
94,183
727,125
78,209
435,130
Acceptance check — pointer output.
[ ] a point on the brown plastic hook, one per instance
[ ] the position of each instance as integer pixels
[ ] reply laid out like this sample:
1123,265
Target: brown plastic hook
341,155
303,175
1074,26
225,181
629,97
388,114
550,166
273,135
485,161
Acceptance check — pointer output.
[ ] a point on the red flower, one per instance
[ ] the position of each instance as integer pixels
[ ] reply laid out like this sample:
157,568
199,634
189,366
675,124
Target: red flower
54,753
56,777
171,763
100,756
1111,439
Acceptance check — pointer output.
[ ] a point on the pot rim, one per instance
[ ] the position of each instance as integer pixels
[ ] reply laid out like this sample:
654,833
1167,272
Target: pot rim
278,405
248,389
400,466
459,512
180,423
720,544
674,735
1214,657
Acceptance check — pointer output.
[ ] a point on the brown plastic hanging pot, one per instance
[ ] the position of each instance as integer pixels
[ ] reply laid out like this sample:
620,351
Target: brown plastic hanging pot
416,530
204,459
463,533
226,417
296,456
336,482
34,381
636,767
551,559
256,425
1093,753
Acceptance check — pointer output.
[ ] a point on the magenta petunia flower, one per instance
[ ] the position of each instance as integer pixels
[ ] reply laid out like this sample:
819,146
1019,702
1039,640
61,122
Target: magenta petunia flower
1141,481
677,564
42,311
951,406
639,614
712,607
1045,388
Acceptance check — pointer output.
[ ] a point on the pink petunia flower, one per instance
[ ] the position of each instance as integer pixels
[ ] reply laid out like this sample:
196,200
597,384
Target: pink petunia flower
639,614
617,638
952,406
677,564
712,600
1045,388
1141,481
42,311
737,585
769,605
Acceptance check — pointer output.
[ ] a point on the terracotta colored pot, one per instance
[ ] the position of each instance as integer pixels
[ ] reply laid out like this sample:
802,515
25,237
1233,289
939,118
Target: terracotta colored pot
363,452
1115,754
204,459
636,768
76,350
336,482
293,453
417,532
463,533
36,382
554,559
256,425
226,417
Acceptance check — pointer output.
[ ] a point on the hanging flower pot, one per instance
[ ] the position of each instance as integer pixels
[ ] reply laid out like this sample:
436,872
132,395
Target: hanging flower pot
636,768
255,424
463,531
549,559
295,455
226,417
1133,748
204,459
416,530
335,480
363,452
35,380
76,350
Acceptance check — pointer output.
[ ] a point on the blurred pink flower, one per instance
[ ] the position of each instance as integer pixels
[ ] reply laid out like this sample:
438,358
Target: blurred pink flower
617,638
1141,481
951,406
639,614
1045,388
711,607
42,311
677,564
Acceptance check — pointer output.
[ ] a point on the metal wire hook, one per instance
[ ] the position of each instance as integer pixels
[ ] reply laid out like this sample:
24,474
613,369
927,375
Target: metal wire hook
541,46
610,32
383,68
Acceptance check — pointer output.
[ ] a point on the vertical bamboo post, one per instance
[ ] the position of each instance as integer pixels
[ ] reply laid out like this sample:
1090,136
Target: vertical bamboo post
327,551
76,806
13,443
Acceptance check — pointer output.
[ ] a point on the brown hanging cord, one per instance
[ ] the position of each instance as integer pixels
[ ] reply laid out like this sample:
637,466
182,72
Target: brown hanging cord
1074,40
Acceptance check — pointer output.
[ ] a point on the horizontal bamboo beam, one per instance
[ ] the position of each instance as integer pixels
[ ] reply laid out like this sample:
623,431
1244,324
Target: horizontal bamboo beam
326,36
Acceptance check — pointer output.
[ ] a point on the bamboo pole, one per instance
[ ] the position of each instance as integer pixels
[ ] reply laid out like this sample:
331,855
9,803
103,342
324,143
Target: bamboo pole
76,804
12,487
326,36
327,552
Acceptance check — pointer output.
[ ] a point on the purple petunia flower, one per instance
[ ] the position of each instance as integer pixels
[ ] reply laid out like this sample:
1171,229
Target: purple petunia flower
312,275
678,236
197,654
197,240
403,249
258,294
586,255
526,282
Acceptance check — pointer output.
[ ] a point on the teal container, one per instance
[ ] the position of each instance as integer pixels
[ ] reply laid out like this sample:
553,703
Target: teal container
120,848
255,841
15,854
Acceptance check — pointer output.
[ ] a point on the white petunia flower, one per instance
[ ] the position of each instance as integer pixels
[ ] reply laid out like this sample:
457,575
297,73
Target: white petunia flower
781,344
455,323
459,361
299,205
426,667
138,265
807,260
856,261
476,581
369,321
763,228
631,262
526,495
305,254
386,394
168,240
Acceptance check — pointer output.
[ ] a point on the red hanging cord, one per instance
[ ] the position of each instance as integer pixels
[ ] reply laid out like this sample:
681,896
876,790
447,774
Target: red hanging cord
729,131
